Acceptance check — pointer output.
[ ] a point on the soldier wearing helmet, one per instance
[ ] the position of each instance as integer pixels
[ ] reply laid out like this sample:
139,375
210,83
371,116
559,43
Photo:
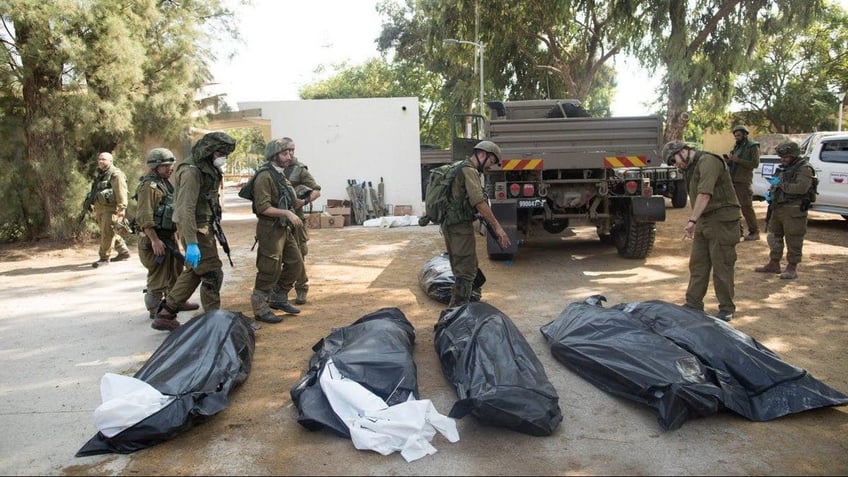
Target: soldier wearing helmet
278,258
198,182
713,225
108,196
457,229
157,246
792,190
301,179
742,160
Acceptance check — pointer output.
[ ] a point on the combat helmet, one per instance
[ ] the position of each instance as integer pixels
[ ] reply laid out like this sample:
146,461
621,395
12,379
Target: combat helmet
740,127
670,149
158,156
276,146
788,149
490,147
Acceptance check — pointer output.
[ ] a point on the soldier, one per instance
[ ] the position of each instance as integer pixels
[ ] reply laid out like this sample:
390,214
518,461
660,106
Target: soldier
792,190
109,193
742,160
157,246
457,228
278,259
301,179
713,225
196,206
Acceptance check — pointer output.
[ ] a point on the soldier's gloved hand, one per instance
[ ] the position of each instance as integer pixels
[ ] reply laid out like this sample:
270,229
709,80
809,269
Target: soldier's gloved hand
773,180
768,196
192,254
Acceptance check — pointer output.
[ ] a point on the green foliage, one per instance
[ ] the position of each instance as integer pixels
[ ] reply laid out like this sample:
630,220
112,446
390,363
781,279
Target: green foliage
249,153
85,77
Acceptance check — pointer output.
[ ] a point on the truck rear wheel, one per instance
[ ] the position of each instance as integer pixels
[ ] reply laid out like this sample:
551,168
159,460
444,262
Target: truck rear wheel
634,240
680,195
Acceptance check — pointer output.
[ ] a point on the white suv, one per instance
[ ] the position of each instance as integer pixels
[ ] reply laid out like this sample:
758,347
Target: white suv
829,158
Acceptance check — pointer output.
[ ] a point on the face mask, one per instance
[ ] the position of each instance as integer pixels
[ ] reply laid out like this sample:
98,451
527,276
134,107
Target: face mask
219,162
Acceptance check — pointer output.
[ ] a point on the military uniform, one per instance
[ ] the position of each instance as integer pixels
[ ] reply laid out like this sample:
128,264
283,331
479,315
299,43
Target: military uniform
298,174
742,174
155,196
716,233
458,231
110,196
788,221
197,184
278,258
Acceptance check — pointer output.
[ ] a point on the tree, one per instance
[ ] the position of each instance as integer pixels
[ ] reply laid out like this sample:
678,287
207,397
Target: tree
788,89
703,45
78,78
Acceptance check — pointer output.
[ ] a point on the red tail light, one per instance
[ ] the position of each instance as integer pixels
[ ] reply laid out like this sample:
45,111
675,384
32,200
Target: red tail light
514,189
529,190
630,186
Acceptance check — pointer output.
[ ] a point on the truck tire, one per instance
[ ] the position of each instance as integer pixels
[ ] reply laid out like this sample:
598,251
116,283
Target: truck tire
634,240
680,195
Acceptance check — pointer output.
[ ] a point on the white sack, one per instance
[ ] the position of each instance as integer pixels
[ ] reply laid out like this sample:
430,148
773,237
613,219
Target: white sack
126,401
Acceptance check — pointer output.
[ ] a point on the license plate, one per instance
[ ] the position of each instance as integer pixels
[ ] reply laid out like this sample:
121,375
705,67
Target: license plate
530,203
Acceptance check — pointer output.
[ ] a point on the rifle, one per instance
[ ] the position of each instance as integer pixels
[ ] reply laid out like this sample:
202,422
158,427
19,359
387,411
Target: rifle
87,205
174,251
488,226
217,230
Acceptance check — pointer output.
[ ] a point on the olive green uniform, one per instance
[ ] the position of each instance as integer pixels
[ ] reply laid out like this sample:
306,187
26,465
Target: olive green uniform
458,231
197,179
110,196
278,258
742,173
298,174
788,223
155,197
716,233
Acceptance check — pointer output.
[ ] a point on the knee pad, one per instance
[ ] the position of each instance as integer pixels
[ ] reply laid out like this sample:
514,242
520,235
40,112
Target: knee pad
213,280
151,300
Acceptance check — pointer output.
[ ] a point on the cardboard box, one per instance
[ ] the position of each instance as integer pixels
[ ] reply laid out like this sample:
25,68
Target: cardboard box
401,210
313,220
332,221
338,210
337,203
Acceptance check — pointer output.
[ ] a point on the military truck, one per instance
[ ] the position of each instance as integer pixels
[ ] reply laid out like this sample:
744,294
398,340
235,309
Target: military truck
559,172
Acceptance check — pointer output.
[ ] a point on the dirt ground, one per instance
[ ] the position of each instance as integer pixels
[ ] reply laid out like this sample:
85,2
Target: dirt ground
356,270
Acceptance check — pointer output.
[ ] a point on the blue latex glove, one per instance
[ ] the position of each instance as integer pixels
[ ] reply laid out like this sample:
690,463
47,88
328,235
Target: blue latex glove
773,180
192,254
768,196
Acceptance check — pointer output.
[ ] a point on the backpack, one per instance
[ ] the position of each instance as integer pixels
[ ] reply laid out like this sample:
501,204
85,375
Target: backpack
437,199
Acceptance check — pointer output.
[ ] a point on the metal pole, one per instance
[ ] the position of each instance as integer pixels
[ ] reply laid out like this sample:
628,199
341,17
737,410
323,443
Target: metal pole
482,46
841,97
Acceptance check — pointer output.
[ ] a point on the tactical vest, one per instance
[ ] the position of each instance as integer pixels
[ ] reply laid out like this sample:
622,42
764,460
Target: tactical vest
459,209
210,182
789,174
163,215
283,189
103,193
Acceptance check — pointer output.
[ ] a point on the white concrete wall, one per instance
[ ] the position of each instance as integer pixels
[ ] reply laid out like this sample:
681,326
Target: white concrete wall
362,139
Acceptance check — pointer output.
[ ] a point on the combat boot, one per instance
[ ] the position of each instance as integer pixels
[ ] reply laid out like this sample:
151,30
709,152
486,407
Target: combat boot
261,311
301,297
280,301
100,263
791,272
125,255
151,302
772,267
166,318
188,306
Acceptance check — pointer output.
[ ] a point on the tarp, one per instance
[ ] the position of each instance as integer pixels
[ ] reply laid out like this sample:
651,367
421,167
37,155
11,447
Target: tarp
497,377
436,279
362,383
199,364
682,362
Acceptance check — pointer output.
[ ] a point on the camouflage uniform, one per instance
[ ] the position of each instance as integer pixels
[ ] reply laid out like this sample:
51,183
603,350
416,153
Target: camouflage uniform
298,174
788,222
458,231
196,180
155,197
716,233
742,174
278,258
110,197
